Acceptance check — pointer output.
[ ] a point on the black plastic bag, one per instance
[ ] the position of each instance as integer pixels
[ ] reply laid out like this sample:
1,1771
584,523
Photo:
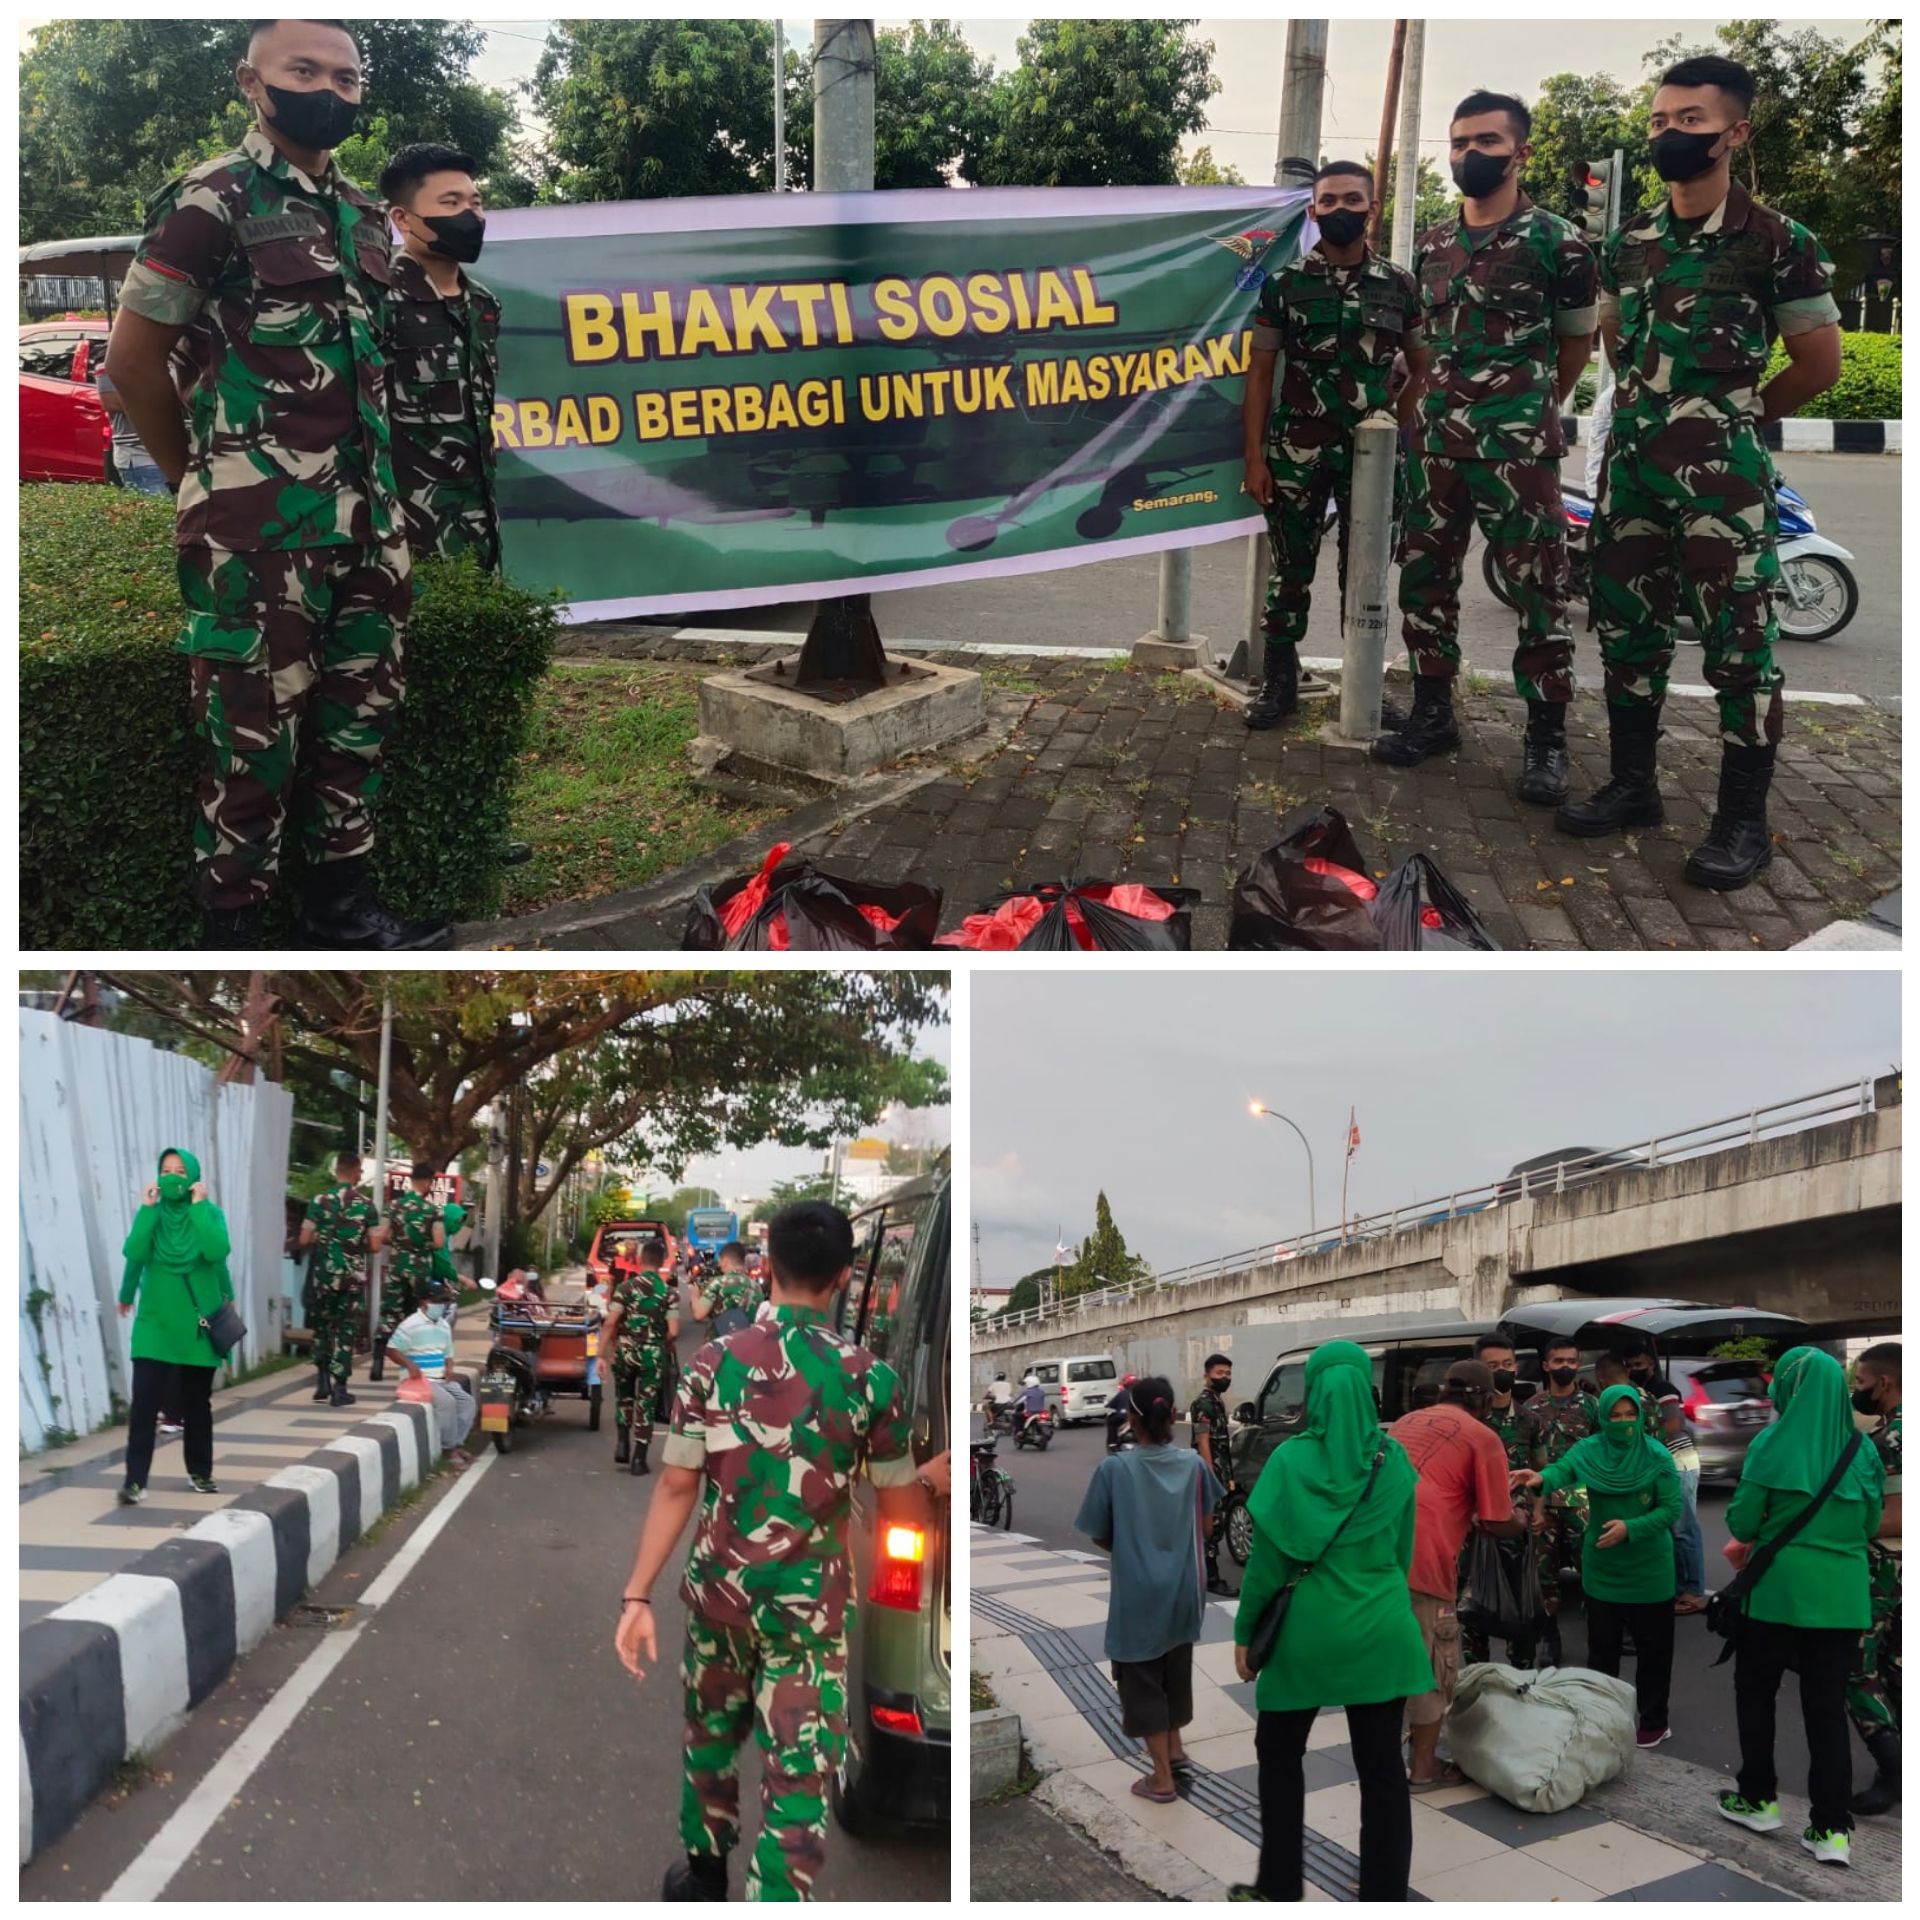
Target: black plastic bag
1293,895
1081,916
1501,1598
791,905
1419,910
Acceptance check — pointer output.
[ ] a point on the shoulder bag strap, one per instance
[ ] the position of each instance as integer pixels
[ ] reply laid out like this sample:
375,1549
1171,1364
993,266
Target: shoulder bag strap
1372,1476
1764,1558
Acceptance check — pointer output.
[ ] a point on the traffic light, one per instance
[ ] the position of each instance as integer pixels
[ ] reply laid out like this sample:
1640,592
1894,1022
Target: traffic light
1595,182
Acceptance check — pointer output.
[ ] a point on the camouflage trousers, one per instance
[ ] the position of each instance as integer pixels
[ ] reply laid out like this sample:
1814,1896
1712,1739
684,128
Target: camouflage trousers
1516,505
296,675
1686,522
1873,1688
789,1687
399,1294
1558,1544
338,1315
637,1373
446,522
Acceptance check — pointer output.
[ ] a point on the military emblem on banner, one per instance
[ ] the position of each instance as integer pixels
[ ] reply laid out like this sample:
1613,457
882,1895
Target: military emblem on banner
1251,248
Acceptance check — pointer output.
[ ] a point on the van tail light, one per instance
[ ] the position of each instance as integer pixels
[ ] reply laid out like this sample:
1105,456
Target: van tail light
896,1573
897,1720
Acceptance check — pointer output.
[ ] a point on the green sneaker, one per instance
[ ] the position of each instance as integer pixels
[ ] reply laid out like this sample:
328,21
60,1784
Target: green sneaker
132,1494
1835,1848
202,1483
1762,1816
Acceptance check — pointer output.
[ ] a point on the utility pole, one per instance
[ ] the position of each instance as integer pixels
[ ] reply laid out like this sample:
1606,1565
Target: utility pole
379,1262
1406,192
843,643
779,106
1382,150
1369,562
496,1172
1296,159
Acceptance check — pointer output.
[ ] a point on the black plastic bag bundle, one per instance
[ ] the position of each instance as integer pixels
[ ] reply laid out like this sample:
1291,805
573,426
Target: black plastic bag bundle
1081,916
791,905
1501,1598
1420,910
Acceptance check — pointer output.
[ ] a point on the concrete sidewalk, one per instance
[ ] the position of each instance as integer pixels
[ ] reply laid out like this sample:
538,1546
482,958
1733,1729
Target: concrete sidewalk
1092,768
1038,1622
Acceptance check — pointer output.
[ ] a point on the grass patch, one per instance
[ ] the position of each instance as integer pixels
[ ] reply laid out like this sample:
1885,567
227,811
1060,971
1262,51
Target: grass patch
273,1363
980,1697
605,796
1005,680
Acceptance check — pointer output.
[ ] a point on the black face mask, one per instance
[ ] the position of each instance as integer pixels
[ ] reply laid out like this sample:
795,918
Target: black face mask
1678,155
316,121
1343,228
1863,1400
1503,1379
1562,1376
459,236
1478,174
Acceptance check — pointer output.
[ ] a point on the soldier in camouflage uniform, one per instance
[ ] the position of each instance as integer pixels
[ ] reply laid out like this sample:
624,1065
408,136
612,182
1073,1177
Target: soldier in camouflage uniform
345,1227
1326,332
1508,293
1873,1690
730,1296
1213,1441
1506,1416
264,275
443,356
1695,292
640,1326
1557,1416
771,1427
416,1229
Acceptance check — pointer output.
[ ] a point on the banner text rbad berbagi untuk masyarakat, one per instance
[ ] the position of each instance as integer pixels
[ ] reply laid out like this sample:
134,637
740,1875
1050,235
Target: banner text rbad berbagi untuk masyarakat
728,402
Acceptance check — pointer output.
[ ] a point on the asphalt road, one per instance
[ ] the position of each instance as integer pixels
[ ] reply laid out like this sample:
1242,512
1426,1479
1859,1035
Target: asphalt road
1855,500
481,1740
1048,1488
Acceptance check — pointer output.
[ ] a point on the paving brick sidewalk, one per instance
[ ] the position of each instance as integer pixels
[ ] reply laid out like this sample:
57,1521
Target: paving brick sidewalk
1102,770
1038,1621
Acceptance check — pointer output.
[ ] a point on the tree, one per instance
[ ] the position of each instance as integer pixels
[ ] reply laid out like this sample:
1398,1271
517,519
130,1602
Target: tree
1103,1259
1578,118
112,109
643,109
1434,196
806,1186
1201,169
1096,103
932,107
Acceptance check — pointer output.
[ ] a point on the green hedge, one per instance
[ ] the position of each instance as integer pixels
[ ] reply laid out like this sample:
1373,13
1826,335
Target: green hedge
108,758
1868,387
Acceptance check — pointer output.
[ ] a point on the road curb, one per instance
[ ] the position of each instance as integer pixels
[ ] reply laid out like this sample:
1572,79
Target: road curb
112,1673
1789,436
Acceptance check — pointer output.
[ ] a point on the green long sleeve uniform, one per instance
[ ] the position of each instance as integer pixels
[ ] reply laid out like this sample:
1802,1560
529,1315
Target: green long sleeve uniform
1640,1568
172,1299
1820,1578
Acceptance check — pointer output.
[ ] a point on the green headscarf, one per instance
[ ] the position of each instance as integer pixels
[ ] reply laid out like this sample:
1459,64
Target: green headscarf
175,1244
453,1217
1798,1451
1622,1457
1312,1482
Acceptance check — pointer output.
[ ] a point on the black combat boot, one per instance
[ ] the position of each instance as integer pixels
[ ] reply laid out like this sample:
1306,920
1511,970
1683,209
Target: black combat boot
1543,755
230,929
378,1370
340,911
700,1876
1884,1794
1279,695
1737,845
620,1449
1430,726
323,1387
1214,1582
341,1397
1631,799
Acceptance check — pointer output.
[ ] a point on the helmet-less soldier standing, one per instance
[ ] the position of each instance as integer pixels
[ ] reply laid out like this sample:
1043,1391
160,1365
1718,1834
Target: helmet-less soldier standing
1695,292
268,270
640,1326
1336,318
344,1224
1509,291
418,1232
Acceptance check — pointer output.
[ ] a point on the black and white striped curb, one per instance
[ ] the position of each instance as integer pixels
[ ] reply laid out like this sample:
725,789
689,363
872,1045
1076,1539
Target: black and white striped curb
1791,436
114,1672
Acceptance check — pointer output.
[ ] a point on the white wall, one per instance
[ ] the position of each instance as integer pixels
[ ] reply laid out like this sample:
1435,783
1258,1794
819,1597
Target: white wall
96,1111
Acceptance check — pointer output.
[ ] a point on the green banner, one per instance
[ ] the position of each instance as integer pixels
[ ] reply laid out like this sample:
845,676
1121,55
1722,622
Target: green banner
736,402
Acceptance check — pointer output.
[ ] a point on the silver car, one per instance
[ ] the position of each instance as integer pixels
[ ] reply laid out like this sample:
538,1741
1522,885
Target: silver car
1726,1404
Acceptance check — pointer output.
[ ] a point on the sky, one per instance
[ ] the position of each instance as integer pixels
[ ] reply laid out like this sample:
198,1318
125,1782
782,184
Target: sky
1139,1083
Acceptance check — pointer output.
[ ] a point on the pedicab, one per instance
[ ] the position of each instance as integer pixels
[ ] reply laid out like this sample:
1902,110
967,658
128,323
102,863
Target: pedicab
541,1352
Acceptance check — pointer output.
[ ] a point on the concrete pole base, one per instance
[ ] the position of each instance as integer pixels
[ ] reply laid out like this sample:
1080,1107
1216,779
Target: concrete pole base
1174,656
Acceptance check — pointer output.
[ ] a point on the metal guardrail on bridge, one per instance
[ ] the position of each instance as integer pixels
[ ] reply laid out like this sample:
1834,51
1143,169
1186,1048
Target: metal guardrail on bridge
1711,1136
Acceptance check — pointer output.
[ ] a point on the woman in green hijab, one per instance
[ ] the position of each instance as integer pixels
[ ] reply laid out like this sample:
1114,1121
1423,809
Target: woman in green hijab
1626,1565
1350,1639
1809,1608
176,1255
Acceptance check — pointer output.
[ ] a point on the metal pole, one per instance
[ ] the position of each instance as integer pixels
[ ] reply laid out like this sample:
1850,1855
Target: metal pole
1313,1206
779,107
496,1173
1604,384
380,1160
1406,194
1302,91
1389,103
1369,558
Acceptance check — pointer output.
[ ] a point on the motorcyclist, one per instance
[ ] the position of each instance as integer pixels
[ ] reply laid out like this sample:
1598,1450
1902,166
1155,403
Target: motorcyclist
997,1396
1118,1409
1033,1400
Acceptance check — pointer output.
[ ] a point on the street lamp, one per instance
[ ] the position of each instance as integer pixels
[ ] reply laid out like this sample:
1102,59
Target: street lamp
1260,1110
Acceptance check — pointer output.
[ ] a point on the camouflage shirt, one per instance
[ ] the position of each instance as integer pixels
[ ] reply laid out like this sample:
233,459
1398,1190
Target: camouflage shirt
1550,1426
281,283
443,359
1209,1417
779,1417
341,1218
413,1218
1495,311
1508,1422
731,1292
646,1302
1698,309
1336,330
1885,1441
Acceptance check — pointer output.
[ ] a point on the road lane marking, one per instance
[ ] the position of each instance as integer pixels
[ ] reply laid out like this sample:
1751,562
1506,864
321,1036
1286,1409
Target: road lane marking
152,1870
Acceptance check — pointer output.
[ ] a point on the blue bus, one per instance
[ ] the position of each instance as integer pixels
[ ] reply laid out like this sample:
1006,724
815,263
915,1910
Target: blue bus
710,1228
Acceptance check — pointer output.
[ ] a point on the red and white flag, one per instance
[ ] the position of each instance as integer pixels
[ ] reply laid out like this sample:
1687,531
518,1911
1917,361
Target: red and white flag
1353,1134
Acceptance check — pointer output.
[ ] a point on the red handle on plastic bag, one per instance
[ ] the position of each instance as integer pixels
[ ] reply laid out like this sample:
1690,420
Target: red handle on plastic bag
735,914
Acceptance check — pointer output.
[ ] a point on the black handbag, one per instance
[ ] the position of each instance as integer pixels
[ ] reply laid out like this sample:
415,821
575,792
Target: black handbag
1727,1609
225,1329
1266,1631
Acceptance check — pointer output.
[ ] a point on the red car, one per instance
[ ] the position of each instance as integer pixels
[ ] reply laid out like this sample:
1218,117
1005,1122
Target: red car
65,433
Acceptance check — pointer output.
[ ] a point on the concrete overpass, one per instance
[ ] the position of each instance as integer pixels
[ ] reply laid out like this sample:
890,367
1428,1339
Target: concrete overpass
1805,1223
